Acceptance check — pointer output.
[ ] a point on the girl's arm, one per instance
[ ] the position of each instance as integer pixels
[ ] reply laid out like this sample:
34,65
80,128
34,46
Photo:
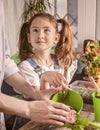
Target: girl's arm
44,85
54,78
49,77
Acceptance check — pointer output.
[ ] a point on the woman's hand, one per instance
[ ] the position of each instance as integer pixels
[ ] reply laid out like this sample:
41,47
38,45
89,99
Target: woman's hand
44,111
48,112
45,94
54,78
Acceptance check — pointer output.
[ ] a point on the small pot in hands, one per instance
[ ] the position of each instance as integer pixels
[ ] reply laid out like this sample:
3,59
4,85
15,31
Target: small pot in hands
70,98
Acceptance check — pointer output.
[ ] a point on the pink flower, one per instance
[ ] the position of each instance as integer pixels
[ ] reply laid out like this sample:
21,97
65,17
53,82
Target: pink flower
71,116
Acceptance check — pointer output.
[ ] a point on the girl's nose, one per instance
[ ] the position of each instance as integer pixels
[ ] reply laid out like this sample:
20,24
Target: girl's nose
41,34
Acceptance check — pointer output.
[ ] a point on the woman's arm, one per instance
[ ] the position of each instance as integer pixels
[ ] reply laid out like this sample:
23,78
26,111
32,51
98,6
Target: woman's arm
19,83
12,105
38,111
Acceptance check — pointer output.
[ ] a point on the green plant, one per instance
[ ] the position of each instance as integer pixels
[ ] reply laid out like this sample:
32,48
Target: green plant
81,123
16,58
35,6
92,57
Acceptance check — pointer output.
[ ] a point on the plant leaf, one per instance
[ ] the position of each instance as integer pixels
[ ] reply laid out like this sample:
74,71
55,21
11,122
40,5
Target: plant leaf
81,123
93,125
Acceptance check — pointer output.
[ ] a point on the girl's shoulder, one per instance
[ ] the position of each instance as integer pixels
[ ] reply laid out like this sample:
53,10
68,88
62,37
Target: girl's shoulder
24,64
26,67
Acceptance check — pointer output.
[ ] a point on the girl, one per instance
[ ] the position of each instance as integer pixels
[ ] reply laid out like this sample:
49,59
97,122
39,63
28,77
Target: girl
39,67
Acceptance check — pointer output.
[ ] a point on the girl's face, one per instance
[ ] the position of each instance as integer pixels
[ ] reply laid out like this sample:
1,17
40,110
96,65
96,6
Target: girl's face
42,34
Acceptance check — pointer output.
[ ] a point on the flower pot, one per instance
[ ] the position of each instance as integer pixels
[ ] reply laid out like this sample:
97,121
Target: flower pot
72,99
96,103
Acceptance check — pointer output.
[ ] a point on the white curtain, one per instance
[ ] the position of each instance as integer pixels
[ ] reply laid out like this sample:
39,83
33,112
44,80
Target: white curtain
98,20
13,17
86,21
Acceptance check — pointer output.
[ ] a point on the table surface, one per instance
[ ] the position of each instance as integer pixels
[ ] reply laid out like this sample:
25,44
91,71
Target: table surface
87,112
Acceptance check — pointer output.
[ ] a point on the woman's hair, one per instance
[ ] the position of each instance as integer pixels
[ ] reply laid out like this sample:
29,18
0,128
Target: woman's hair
64,49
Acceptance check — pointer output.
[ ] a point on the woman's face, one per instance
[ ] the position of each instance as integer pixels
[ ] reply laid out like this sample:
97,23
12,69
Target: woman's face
42,34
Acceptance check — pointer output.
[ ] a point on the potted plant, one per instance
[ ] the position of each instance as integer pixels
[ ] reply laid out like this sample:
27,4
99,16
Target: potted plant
35,6
92,59
75,101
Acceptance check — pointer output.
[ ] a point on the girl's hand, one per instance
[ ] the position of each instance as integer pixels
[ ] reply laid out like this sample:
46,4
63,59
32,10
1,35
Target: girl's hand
54,78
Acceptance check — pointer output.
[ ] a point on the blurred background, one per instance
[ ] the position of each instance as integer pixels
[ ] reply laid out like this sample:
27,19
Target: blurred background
83,15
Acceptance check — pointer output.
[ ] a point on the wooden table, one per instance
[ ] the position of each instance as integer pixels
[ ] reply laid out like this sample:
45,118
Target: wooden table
87,112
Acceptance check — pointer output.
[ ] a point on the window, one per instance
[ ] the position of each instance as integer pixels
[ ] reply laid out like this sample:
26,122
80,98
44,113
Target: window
67,9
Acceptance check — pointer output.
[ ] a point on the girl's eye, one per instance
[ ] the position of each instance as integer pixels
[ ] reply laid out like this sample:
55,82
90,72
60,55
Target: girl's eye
47,30
34,30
